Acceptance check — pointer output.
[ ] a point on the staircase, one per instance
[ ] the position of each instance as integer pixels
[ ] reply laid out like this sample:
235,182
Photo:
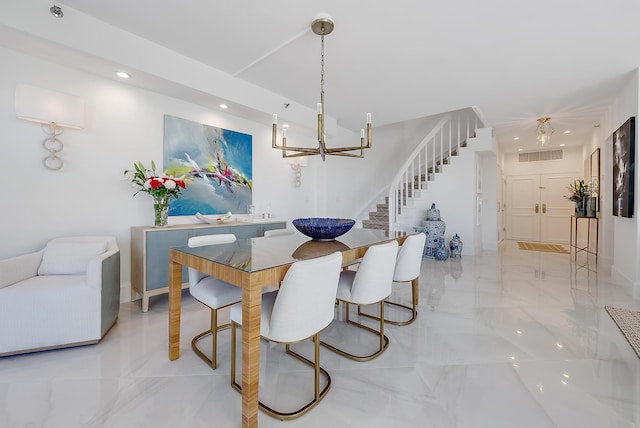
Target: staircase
429,160
378,219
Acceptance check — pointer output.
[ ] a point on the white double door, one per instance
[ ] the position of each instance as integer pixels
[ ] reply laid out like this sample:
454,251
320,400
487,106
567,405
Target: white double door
536,209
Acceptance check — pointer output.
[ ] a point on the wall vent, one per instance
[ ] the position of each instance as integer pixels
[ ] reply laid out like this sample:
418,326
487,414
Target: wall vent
544,155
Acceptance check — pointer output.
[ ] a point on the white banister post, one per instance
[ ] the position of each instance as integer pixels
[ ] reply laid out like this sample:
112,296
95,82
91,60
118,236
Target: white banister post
450,139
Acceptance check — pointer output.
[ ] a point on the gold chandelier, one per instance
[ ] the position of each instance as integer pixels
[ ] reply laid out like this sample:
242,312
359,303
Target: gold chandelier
544,131
321,26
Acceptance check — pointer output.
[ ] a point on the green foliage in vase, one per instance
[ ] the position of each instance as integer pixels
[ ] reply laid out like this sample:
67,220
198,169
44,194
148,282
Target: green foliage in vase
577,191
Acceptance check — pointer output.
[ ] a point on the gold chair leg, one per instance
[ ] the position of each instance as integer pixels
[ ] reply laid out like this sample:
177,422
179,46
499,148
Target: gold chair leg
384,340
213,331
318,394
413,308
233,358
214,338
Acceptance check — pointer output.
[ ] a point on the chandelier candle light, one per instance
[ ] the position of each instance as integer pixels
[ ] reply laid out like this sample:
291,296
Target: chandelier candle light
543,136
321,26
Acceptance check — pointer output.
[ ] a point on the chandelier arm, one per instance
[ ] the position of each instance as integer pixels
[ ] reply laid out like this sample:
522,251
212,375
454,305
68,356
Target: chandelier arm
344,149
297,155
315,150
345,154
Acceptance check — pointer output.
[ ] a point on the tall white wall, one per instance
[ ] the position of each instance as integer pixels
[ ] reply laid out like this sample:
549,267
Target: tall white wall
124,124
488,226
626,231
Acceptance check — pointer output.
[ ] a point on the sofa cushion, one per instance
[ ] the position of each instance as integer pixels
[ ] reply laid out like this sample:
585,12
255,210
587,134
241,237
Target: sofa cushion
46,311
68,258
19,268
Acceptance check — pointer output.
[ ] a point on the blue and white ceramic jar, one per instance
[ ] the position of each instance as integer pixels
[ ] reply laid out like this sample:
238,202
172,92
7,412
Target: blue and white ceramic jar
455,245
434,228
442,252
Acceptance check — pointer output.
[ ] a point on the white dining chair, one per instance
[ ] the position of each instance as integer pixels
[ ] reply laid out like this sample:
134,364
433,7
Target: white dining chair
407,269
299,310
278,232
370,284
211,292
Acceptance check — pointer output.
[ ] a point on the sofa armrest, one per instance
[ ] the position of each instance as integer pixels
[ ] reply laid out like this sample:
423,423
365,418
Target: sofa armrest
103,274
97,265
19,268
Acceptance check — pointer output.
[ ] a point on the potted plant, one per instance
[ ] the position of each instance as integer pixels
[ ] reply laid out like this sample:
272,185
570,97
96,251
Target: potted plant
578,192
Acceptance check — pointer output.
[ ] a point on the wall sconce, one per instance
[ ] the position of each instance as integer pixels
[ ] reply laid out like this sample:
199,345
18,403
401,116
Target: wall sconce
54,111
296,165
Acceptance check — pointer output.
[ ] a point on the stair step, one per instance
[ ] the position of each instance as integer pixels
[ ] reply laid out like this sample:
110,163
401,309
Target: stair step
368,224
375,216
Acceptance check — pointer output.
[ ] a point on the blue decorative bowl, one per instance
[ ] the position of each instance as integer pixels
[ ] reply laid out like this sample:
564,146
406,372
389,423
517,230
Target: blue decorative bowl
323,229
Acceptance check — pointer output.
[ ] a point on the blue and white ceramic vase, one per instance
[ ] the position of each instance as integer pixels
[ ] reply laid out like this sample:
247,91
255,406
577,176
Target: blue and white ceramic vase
442,252
455,245
434,228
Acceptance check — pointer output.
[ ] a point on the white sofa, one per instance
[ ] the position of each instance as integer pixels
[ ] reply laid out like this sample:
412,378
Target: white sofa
66,294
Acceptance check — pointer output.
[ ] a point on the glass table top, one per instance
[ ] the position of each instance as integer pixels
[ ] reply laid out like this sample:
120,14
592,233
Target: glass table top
255,254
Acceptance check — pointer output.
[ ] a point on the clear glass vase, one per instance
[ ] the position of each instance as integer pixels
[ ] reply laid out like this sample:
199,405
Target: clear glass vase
161,210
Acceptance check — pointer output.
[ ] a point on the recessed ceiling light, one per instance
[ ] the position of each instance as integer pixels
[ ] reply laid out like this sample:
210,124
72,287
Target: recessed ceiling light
559,345
56,11
567,132
562,145
519,331
122,75
516,138
224,106
285,125
519,150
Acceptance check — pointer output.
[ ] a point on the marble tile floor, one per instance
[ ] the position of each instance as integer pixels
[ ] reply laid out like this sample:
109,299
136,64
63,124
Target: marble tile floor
508,339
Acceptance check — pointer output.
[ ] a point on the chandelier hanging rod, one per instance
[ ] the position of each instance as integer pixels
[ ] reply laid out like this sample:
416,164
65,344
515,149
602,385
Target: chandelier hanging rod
322,26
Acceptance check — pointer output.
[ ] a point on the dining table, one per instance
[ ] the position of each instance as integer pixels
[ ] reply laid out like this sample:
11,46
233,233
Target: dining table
252,264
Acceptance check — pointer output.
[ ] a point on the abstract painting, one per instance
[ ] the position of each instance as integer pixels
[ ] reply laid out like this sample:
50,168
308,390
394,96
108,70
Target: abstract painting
216,163
623,168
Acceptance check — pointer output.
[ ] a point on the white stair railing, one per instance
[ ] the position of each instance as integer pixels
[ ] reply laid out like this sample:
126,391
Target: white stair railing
435,150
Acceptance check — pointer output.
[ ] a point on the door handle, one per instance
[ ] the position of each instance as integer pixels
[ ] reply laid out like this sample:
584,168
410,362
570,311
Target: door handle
537,208
544,208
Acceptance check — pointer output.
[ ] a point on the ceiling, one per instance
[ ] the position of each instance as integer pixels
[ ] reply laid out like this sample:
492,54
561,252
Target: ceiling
514,61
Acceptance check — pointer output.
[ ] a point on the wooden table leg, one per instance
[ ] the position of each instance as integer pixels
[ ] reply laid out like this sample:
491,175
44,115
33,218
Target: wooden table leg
175,300
251,302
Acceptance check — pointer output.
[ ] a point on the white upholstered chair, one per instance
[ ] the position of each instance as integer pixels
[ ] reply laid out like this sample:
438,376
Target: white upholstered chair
407,270
299,310
370,284
67,294
212,292
278,232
